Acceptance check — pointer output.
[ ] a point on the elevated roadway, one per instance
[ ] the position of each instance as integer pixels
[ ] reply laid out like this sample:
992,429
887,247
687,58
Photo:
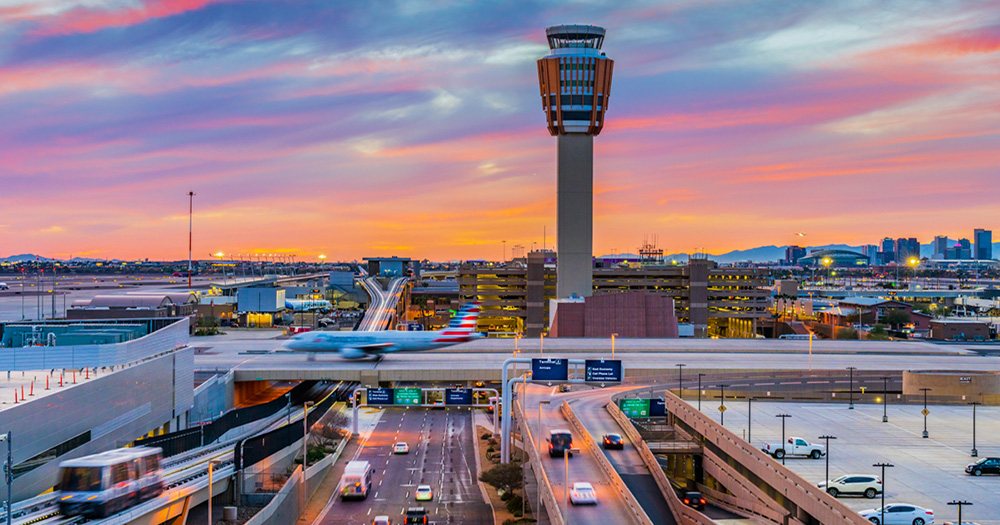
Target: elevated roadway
383,303
611,507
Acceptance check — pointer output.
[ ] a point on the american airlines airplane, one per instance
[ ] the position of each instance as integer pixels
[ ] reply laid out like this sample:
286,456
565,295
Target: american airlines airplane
361,345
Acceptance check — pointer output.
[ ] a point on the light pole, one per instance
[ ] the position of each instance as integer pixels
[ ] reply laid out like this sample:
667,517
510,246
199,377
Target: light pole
305,451
680,380
211,466
613,336
882,510
959,503
722,405
885,399
975,453
8,472
925,411
783,451
190,232
827,437
538,439
566,453
852,369
699,391
541,343
749,417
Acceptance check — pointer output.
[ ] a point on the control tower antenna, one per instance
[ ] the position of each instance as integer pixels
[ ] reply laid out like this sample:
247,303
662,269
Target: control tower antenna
575,83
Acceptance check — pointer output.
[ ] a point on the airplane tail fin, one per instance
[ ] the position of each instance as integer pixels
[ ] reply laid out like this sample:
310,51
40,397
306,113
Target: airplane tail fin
462,326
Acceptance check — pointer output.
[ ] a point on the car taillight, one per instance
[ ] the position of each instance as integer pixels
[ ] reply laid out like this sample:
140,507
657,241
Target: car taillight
879,482
687,501
702,501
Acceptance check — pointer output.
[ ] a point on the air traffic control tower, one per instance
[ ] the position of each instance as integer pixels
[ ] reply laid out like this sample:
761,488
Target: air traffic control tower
575,82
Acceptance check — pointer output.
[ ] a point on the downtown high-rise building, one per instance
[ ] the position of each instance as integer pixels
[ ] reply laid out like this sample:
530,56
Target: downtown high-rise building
939,248
983,240
906,249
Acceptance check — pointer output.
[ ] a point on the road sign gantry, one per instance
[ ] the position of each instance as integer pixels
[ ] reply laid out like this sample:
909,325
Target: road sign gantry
551,370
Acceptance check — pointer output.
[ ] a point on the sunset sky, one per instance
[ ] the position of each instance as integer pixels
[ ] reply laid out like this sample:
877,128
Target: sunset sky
363,128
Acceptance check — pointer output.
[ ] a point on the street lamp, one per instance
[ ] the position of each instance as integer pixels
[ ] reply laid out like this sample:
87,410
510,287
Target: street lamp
680,380
852,369
541,343
722,405
959,503
882,510
220,255
885,399
8,471
211,466
538,439
566,454
613,345
749,417
925,411
783,452
975,453
827,262
699,391
827,438
305,451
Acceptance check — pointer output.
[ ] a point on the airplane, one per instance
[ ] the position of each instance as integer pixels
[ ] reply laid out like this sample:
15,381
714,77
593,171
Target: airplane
308,304
362,345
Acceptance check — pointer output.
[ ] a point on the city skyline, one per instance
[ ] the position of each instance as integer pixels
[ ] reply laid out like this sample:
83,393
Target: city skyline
308,129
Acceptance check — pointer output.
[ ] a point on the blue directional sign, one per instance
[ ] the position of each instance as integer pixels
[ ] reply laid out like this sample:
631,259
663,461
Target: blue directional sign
657,408
457,396
543,369
603,371
380,396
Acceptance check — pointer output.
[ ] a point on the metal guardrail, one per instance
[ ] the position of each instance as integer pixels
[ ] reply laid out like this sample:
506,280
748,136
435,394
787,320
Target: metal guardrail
638,513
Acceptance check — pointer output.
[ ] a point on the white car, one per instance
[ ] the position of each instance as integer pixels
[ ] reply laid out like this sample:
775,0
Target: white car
423,493
381,520
856,484
3,286
583,494
401,448
900,514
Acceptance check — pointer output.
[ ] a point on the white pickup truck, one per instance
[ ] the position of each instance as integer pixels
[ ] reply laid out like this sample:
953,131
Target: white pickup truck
795,446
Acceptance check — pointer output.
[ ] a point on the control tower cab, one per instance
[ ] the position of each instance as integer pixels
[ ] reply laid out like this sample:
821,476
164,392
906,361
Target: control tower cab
575,83
575,79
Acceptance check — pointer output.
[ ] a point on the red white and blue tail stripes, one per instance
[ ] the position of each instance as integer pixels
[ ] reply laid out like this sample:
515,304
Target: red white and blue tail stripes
462,327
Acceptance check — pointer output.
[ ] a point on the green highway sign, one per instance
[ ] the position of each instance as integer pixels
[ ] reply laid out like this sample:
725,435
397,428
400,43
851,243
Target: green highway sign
408,396
634,407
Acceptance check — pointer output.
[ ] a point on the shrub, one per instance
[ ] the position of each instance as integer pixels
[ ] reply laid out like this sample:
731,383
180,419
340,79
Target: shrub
486,436
514,503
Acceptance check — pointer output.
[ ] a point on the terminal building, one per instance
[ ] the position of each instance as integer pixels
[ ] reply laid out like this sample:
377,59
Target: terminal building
714,301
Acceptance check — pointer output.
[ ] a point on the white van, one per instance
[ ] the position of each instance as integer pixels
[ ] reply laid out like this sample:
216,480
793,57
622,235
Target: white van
357,480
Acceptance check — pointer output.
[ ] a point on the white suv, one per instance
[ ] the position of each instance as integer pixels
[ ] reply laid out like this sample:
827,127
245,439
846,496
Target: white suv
858,484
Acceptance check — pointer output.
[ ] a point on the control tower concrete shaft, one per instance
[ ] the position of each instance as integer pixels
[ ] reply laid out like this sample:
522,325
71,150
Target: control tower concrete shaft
575,82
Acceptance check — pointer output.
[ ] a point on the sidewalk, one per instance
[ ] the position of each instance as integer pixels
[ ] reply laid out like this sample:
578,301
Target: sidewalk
328,485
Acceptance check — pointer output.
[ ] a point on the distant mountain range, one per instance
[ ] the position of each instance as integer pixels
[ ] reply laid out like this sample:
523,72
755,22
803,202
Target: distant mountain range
27,257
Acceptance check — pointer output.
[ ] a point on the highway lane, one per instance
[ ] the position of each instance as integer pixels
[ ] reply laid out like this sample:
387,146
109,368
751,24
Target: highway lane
588,405
383,303
441,455
610,507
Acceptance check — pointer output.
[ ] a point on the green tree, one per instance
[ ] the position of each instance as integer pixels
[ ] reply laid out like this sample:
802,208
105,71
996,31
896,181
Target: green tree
878,333
847,333
896,318
505,477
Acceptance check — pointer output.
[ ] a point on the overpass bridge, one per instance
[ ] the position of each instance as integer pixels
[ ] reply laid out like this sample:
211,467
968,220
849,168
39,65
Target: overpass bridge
382,312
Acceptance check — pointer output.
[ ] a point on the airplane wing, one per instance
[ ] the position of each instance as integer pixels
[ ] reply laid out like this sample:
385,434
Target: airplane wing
362,351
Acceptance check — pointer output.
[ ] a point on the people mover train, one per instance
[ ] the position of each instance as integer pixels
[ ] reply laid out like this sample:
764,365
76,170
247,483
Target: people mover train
104,484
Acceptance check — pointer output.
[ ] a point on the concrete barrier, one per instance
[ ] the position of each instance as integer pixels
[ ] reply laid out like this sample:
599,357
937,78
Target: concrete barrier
638,514
285,507
549,500
686,514
804,499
